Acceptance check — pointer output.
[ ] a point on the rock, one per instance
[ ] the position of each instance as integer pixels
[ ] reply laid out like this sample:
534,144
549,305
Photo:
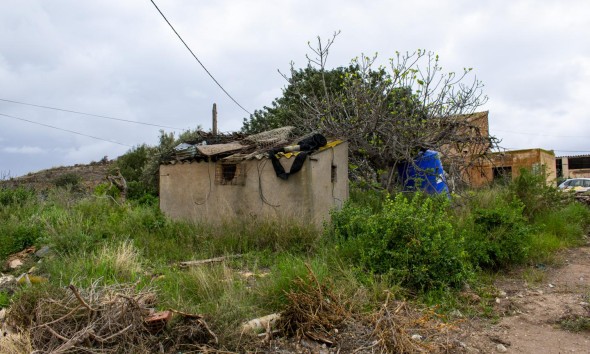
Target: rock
43,251
502,293
501,348
417,337
7,283
261,323
497,300
456,313
15,263
551,285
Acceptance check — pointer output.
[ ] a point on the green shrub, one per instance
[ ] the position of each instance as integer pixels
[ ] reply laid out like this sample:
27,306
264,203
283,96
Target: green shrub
536,195
106,189
4,299
15,196
497,236
16,236
410,239
67,179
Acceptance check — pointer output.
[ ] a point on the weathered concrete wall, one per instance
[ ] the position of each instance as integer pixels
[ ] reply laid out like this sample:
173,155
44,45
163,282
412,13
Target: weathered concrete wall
581,173
190,191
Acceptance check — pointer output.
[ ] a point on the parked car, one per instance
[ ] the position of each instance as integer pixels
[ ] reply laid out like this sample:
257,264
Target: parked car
576,184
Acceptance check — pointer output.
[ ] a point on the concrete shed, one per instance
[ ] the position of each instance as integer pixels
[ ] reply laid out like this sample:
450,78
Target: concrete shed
230,185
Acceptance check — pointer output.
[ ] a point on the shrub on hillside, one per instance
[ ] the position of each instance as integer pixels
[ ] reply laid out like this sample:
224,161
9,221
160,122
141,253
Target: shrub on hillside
67,179
15,237
410,239
15,196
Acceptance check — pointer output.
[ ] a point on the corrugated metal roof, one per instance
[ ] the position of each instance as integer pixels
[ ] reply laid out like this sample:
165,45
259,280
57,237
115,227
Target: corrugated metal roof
572,156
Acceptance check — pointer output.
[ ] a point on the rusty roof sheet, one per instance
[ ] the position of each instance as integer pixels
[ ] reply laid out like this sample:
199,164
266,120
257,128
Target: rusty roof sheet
211,150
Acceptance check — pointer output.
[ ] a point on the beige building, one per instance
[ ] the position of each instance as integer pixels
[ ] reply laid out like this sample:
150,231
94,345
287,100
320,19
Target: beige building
502,165
229,185
573,166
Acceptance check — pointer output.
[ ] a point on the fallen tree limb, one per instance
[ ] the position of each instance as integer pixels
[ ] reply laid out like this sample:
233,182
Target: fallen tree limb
207,261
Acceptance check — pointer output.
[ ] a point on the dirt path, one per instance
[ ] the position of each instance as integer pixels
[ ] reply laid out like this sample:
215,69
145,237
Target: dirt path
532,313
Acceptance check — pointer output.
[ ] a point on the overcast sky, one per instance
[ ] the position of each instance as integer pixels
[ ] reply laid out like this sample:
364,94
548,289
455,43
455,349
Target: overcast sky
120,59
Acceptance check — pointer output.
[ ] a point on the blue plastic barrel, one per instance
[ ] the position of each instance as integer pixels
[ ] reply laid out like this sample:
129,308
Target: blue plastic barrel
426,173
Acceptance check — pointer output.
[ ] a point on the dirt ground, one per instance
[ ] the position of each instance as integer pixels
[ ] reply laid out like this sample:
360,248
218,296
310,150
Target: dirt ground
528,317
531,312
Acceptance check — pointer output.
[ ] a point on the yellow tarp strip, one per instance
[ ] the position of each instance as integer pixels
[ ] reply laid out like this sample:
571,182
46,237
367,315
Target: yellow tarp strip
329,145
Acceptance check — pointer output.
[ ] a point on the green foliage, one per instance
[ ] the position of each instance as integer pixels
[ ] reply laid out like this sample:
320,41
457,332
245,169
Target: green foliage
286,269
106,189
410,239
140,165
15,196
68,179
498,235
4,299
131,163
536,195
290,107
15,237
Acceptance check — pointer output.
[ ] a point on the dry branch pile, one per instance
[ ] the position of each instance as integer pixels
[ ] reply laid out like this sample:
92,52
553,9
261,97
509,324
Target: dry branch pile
313,311
105,319
399,328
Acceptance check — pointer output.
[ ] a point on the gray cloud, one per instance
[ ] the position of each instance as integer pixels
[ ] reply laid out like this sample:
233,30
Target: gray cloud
118,58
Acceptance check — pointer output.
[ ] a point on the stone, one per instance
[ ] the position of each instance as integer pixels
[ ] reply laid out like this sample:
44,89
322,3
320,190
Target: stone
43,251
15,263
501,348
456,313
7,282
417,337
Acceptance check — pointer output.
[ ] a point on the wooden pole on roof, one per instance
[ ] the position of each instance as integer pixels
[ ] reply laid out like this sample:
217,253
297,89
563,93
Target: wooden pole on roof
214,123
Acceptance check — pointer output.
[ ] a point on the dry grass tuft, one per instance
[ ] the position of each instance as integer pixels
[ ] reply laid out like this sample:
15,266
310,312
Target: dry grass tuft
125,259
16,343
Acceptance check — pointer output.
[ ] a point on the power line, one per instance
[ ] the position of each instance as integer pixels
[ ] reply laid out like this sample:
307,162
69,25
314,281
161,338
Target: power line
194,56
515,149
537,134
65,130
87,114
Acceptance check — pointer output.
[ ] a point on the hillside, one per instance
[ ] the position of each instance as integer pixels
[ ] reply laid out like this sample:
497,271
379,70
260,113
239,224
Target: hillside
89,176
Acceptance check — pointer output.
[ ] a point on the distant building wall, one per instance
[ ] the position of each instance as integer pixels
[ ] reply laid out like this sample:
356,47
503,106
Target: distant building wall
574,166
196,191
508,165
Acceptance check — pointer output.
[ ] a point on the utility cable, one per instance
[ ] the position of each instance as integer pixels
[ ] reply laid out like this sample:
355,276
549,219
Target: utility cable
200,63
537,134
87,114
516,149
65,130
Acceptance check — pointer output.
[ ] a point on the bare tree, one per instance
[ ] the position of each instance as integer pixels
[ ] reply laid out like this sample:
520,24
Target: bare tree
390,114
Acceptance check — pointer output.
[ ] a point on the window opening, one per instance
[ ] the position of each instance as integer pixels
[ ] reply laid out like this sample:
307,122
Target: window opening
229,174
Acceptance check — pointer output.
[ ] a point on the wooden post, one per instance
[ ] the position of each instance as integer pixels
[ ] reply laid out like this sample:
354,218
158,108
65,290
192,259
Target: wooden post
214,123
